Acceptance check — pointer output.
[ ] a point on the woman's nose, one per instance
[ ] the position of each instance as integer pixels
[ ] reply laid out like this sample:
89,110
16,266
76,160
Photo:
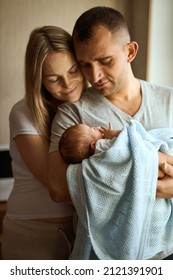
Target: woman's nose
66,81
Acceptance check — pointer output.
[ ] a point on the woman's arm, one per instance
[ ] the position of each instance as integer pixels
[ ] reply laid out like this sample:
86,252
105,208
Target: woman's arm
34,152
58,184
57,168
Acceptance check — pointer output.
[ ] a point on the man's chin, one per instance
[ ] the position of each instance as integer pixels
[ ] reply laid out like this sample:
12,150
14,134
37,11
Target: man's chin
103,91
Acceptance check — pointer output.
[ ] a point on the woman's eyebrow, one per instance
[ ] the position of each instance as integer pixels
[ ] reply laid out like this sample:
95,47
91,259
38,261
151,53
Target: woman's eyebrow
50,75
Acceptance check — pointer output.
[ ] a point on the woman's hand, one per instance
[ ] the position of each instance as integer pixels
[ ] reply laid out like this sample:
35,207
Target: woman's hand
165,183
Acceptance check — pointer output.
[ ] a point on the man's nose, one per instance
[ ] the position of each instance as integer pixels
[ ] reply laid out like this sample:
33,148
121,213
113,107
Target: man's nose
96,74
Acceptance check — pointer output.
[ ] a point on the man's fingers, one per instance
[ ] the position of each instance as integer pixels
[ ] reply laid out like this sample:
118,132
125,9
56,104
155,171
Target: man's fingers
167,169
165,158
165,184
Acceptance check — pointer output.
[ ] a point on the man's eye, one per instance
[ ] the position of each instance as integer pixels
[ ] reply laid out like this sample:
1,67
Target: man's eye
106,61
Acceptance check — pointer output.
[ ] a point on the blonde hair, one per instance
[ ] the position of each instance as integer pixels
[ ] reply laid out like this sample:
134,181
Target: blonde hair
75,146
42,41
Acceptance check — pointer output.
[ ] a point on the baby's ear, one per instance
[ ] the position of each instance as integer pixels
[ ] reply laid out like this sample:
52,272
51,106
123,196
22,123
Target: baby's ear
93,145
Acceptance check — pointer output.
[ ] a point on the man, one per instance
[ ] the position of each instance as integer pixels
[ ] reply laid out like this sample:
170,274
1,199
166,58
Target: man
104,52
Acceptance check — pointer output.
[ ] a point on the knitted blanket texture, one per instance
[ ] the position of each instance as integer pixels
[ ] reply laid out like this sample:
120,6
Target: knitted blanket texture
114,193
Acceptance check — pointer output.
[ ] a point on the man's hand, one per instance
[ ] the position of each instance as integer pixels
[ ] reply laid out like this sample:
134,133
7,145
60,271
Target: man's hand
165,180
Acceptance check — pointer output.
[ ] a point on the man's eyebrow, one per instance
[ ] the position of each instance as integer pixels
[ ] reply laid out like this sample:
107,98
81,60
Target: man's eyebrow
96,59
103,57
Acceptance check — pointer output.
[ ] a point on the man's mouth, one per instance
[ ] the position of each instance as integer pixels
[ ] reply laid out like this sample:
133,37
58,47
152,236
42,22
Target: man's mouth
100,85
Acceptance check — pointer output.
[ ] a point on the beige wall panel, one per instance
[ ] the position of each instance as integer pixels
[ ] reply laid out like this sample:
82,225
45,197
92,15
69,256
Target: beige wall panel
17,19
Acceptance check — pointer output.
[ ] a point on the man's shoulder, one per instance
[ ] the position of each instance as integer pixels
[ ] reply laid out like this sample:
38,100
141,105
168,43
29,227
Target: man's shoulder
151,86
90,90
89,96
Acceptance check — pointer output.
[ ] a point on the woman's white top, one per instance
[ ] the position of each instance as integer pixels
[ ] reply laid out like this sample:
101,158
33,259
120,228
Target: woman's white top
29,199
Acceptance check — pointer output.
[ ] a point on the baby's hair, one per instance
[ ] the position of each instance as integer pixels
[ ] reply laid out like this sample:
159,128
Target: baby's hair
74,146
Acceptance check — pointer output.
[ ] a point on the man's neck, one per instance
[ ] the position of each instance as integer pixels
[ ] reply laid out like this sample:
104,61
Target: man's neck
128,100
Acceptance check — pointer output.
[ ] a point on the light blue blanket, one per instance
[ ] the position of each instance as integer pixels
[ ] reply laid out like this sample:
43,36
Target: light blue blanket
114,194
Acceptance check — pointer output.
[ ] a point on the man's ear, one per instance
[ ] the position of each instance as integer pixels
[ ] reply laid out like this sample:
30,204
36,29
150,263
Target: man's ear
132,50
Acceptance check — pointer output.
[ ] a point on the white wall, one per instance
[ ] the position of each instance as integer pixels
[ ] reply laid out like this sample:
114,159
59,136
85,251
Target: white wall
160,52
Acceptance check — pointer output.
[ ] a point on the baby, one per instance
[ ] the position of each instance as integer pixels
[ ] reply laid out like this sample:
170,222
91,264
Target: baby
79,141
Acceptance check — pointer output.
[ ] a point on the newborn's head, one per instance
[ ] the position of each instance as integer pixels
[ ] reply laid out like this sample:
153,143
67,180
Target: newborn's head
78,142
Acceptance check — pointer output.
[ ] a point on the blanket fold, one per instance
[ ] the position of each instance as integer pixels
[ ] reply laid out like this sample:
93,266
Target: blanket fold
114,193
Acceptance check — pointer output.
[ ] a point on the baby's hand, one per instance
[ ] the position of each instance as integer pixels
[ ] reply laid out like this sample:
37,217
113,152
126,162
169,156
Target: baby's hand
109,133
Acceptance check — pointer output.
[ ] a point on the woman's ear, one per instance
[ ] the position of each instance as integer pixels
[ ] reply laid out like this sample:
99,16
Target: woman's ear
132,50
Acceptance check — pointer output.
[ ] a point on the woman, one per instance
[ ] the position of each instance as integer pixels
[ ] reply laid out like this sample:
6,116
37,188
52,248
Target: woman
35,227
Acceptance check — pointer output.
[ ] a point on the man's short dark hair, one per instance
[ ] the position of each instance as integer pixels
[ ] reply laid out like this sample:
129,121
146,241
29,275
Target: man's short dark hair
86,24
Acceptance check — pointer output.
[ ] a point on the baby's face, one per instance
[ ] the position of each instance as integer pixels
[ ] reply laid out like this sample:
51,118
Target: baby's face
91,131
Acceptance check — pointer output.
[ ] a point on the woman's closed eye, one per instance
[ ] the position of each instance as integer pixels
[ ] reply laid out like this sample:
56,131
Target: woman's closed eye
74,69
54,80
